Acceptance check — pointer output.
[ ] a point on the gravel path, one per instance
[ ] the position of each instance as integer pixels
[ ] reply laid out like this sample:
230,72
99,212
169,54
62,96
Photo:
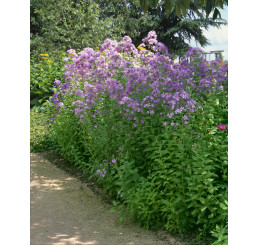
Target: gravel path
66,211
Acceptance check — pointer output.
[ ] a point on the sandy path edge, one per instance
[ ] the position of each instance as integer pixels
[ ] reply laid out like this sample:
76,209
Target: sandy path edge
65,211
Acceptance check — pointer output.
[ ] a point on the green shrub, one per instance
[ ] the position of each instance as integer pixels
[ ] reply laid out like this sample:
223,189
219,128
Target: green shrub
44,70
221,234
40,135
176,181
70,139
74,24
186,185
167,171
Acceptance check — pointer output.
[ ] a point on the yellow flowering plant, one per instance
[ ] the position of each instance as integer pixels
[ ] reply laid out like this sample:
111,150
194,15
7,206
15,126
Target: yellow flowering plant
44,55
141,48
44,71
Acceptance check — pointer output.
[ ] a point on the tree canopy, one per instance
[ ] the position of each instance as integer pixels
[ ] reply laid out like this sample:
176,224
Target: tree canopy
87,23
175,32
181,6
73,24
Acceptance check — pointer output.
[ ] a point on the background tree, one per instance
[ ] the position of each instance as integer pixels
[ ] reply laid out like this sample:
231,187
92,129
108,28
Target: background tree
181,6
74,24
175,32
80,23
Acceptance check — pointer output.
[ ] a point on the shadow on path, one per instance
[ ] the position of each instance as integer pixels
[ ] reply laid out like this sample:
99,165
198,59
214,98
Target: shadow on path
66,211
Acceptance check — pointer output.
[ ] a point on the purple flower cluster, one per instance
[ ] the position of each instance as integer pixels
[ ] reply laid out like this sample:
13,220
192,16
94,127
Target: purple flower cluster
102,173
104,166
139,83
200,76
152,42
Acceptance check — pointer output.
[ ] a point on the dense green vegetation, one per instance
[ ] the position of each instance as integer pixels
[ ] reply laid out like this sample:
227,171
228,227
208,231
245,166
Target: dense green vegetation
173,31
165,167
57,26
152,132
44,69
78,24
40,136
181,6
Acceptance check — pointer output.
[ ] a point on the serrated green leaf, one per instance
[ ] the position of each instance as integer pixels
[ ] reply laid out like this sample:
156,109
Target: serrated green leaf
202,200
203,209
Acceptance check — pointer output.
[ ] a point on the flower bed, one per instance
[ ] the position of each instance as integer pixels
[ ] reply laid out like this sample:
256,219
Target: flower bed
153,132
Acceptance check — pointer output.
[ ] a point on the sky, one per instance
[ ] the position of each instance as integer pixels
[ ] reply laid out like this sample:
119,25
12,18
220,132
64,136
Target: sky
218,37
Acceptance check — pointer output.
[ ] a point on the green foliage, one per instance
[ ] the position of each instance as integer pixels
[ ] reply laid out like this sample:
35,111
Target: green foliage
44,70
177,181
69,139
182,6
74,24
57,26
80,24
186,187
168,177
40,136
221,235
173,31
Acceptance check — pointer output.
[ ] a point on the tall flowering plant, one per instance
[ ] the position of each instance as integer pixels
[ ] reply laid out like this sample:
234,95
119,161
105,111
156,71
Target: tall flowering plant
140,122
135,80
140,82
